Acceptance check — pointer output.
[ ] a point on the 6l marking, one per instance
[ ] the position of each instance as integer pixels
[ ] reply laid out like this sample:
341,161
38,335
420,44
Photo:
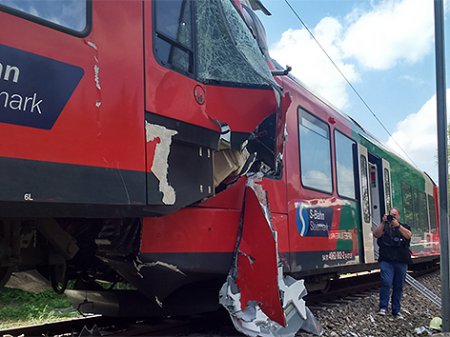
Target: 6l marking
28,197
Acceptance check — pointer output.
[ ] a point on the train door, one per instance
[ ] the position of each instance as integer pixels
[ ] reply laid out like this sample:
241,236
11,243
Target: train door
365,200
375,193
380,190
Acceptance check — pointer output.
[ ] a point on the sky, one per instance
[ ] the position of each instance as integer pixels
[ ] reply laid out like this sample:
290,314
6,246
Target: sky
384,47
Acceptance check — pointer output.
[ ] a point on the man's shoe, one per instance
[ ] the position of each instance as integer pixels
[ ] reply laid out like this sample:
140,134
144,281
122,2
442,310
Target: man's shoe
382,312
398,316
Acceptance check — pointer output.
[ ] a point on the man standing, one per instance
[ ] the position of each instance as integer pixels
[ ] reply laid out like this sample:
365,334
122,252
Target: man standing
393,240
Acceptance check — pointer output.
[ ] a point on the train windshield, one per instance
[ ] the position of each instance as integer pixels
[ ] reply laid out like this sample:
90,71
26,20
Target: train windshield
227,50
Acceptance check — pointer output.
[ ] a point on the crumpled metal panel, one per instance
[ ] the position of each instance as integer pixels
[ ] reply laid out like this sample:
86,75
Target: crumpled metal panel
260,300
257,261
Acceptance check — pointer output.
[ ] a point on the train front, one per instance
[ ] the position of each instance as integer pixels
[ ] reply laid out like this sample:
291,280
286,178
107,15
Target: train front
125,129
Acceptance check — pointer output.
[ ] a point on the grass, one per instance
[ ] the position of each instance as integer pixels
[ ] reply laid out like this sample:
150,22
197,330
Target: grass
19,308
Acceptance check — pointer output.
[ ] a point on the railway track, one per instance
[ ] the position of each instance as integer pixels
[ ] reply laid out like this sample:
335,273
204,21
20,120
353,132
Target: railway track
106,326
74,325
355,286
341,291
343,287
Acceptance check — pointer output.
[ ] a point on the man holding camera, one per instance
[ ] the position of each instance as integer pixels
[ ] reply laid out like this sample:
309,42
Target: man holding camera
394,255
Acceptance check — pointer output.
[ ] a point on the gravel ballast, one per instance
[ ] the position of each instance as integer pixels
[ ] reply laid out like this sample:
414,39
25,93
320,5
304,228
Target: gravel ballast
358,317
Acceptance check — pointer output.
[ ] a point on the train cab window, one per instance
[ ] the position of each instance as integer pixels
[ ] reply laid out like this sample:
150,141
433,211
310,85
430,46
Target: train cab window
69,14
365,190
212,36
345,164
387,189
227,50
315,156
432,214
173,38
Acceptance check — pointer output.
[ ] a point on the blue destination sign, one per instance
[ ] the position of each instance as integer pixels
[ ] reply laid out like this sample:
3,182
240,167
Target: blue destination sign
34,89
313,221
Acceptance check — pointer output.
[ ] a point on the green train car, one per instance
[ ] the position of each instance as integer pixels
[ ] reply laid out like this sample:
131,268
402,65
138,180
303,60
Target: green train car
396,183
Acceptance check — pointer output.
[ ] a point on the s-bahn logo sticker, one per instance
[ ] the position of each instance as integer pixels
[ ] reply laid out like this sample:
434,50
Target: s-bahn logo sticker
313,221
34,89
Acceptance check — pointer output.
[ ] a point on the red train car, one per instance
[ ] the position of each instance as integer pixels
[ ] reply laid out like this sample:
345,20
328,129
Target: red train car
123,114
134,116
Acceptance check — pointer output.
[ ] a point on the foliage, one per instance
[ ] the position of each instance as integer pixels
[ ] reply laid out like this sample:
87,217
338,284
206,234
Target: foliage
19,307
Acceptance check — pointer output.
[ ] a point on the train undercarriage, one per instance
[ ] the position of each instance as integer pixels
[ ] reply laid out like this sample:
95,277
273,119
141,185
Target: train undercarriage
97,263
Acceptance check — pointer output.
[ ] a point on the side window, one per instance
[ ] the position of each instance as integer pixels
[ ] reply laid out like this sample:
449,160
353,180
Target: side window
432,213
345,165
421,211
415,208
315,156
407,199
69,14
387,189
173,34
365,189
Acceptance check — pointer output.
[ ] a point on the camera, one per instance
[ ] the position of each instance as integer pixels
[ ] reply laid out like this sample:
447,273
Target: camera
390,218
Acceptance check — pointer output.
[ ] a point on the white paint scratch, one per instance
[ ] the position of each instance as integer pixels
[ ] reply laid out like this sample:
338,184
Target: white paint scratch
160,165
92,44
97,80
98,102
138,264
158,302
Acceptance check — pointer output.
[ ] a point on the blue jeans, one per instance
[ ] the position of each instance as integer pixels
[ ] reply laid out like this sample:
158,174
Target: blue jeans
392,276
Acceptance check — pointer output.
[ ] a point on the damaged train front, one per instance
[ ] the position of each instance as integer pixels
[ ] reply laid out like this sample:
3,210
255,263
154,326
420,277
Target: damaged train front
213,108
214,112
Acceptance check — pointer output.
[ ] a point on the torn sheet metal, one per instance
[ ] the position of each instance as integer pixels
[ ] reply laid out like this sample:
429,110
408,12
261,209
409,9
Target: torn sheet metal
228,163
257,277
160,166
260,300
138,264
281,126
257,5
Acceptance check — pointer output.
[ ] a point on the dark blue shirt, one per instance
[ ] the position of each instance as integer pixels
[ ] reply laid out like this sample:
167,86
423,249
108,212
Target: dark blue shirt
394,247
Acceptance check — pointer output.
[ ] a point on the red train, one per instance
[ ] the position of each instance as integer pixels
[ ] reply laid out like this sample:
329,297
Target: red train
127,132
